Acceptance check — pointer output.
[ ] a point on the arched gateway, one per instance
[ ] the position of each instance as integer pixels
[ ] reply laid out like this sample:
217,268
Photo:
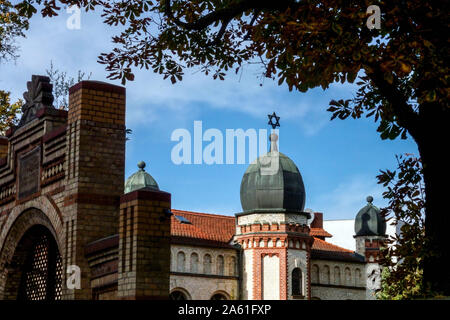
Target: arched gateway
38,267
63,212
60,189
30,259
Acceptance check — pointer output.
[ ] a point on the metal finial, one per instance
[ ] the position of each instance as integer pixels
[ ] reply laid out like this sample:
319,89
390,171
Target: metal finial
277,120
369,199
141,165
273,142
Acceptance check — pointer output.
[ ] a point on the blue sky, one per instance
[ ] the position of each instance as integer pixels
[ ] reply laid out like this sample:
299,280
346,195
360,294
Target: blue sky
337,159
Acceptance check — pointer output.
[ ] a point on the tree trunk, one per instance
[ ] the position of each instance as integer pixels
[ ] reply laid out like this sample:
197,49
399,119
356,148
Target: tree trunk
433,142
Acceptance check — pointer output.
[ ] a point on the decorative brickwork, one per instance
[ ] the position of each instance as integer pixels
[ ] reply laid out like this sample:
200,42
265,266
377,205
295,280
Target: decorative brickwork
144,245
275,238
68,167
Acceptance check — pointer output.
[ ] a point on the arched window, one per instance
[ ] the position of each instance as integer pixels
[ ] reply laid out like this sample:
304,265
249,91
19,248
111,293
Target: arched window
207,264
357,277
194,262
181,261
348,276
178,295
326,275
233,267
315,274
220,265
219,296
297,288
337,275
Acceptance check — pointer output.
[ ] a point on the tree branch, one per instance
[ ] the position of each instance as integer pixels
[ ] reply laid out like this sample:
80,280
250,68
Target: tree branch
228,13
407,117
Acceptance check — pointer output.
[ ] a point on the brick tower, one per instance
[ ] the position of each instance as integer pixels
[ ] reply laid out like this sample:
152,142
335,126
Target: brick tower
144,239
370,234
61,178
272,229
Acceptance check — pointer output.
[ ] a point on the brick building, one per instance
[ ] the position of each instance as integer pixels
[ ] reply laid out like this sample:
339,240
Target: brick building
71,229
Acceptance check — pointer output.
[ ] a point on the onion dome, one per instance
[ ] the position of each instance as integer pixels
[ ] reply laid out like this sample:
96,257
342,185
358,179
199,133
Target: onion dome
140,179
272,183
369,221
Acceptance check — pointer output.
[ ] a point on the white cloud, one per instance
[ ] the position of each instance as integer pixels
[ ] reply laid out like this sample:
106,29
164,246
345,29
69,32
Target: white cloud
149,97
347,198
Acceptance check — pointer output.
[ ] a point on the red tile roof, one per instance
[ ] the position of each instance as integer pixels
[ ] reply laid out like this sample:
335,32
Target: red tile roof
319,232
328,251
203,226
326,246
218,230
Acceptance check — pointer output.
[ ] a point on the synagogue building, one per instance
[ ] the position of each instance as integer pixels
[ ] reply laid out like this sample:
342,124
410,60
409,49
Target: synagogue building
70,228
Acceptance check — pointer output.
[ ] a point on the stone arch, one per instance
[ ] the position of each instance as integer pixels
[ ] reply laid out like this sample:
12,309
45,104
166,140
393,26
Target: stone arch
207,264
14,252
347,276
220,265
358,278
47,207
181,261
220,295
325,274
315,274
337,275
232,271
175,294
194,261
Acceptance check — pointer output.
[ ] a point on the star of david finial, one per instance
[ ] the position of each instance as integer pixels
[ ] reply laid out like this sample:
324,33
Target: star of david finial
271,118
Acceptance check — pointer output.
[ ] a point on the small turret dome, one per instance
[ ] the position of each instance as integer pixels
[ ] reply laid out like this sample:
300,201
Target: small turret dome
369,221
272,181
140,179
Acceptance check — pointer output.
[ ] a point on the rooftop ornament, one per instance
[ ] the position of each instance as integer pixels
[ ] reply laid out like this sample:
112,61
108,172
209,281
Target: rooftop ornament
272,183
140,180
38,96
277,120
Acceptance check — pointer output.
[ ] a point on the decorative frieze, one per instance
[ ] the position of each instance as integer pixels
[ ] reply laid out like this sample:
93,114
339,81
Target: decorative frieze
53,172
7,193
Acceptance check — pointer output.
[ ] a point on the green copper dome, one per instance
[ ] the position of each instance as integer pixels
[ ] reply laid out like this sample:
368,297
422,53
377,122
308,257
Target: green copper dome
273,181
140,179
369,221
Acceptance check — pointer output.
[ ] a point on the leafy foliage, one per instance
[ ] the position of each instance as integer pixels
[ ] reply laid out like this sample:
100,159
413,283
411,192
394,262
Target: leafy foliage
304,44
12,26
404,253
61,84
8,111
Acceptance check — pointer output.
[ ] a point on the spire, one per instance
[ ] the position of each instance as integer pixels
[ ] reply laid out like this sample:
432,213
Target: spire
273,142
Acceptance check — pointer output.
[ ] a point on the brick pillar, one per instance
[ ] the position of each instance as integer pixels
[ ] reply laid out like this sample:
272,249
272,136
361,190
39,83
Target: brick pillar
95,160
144,245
